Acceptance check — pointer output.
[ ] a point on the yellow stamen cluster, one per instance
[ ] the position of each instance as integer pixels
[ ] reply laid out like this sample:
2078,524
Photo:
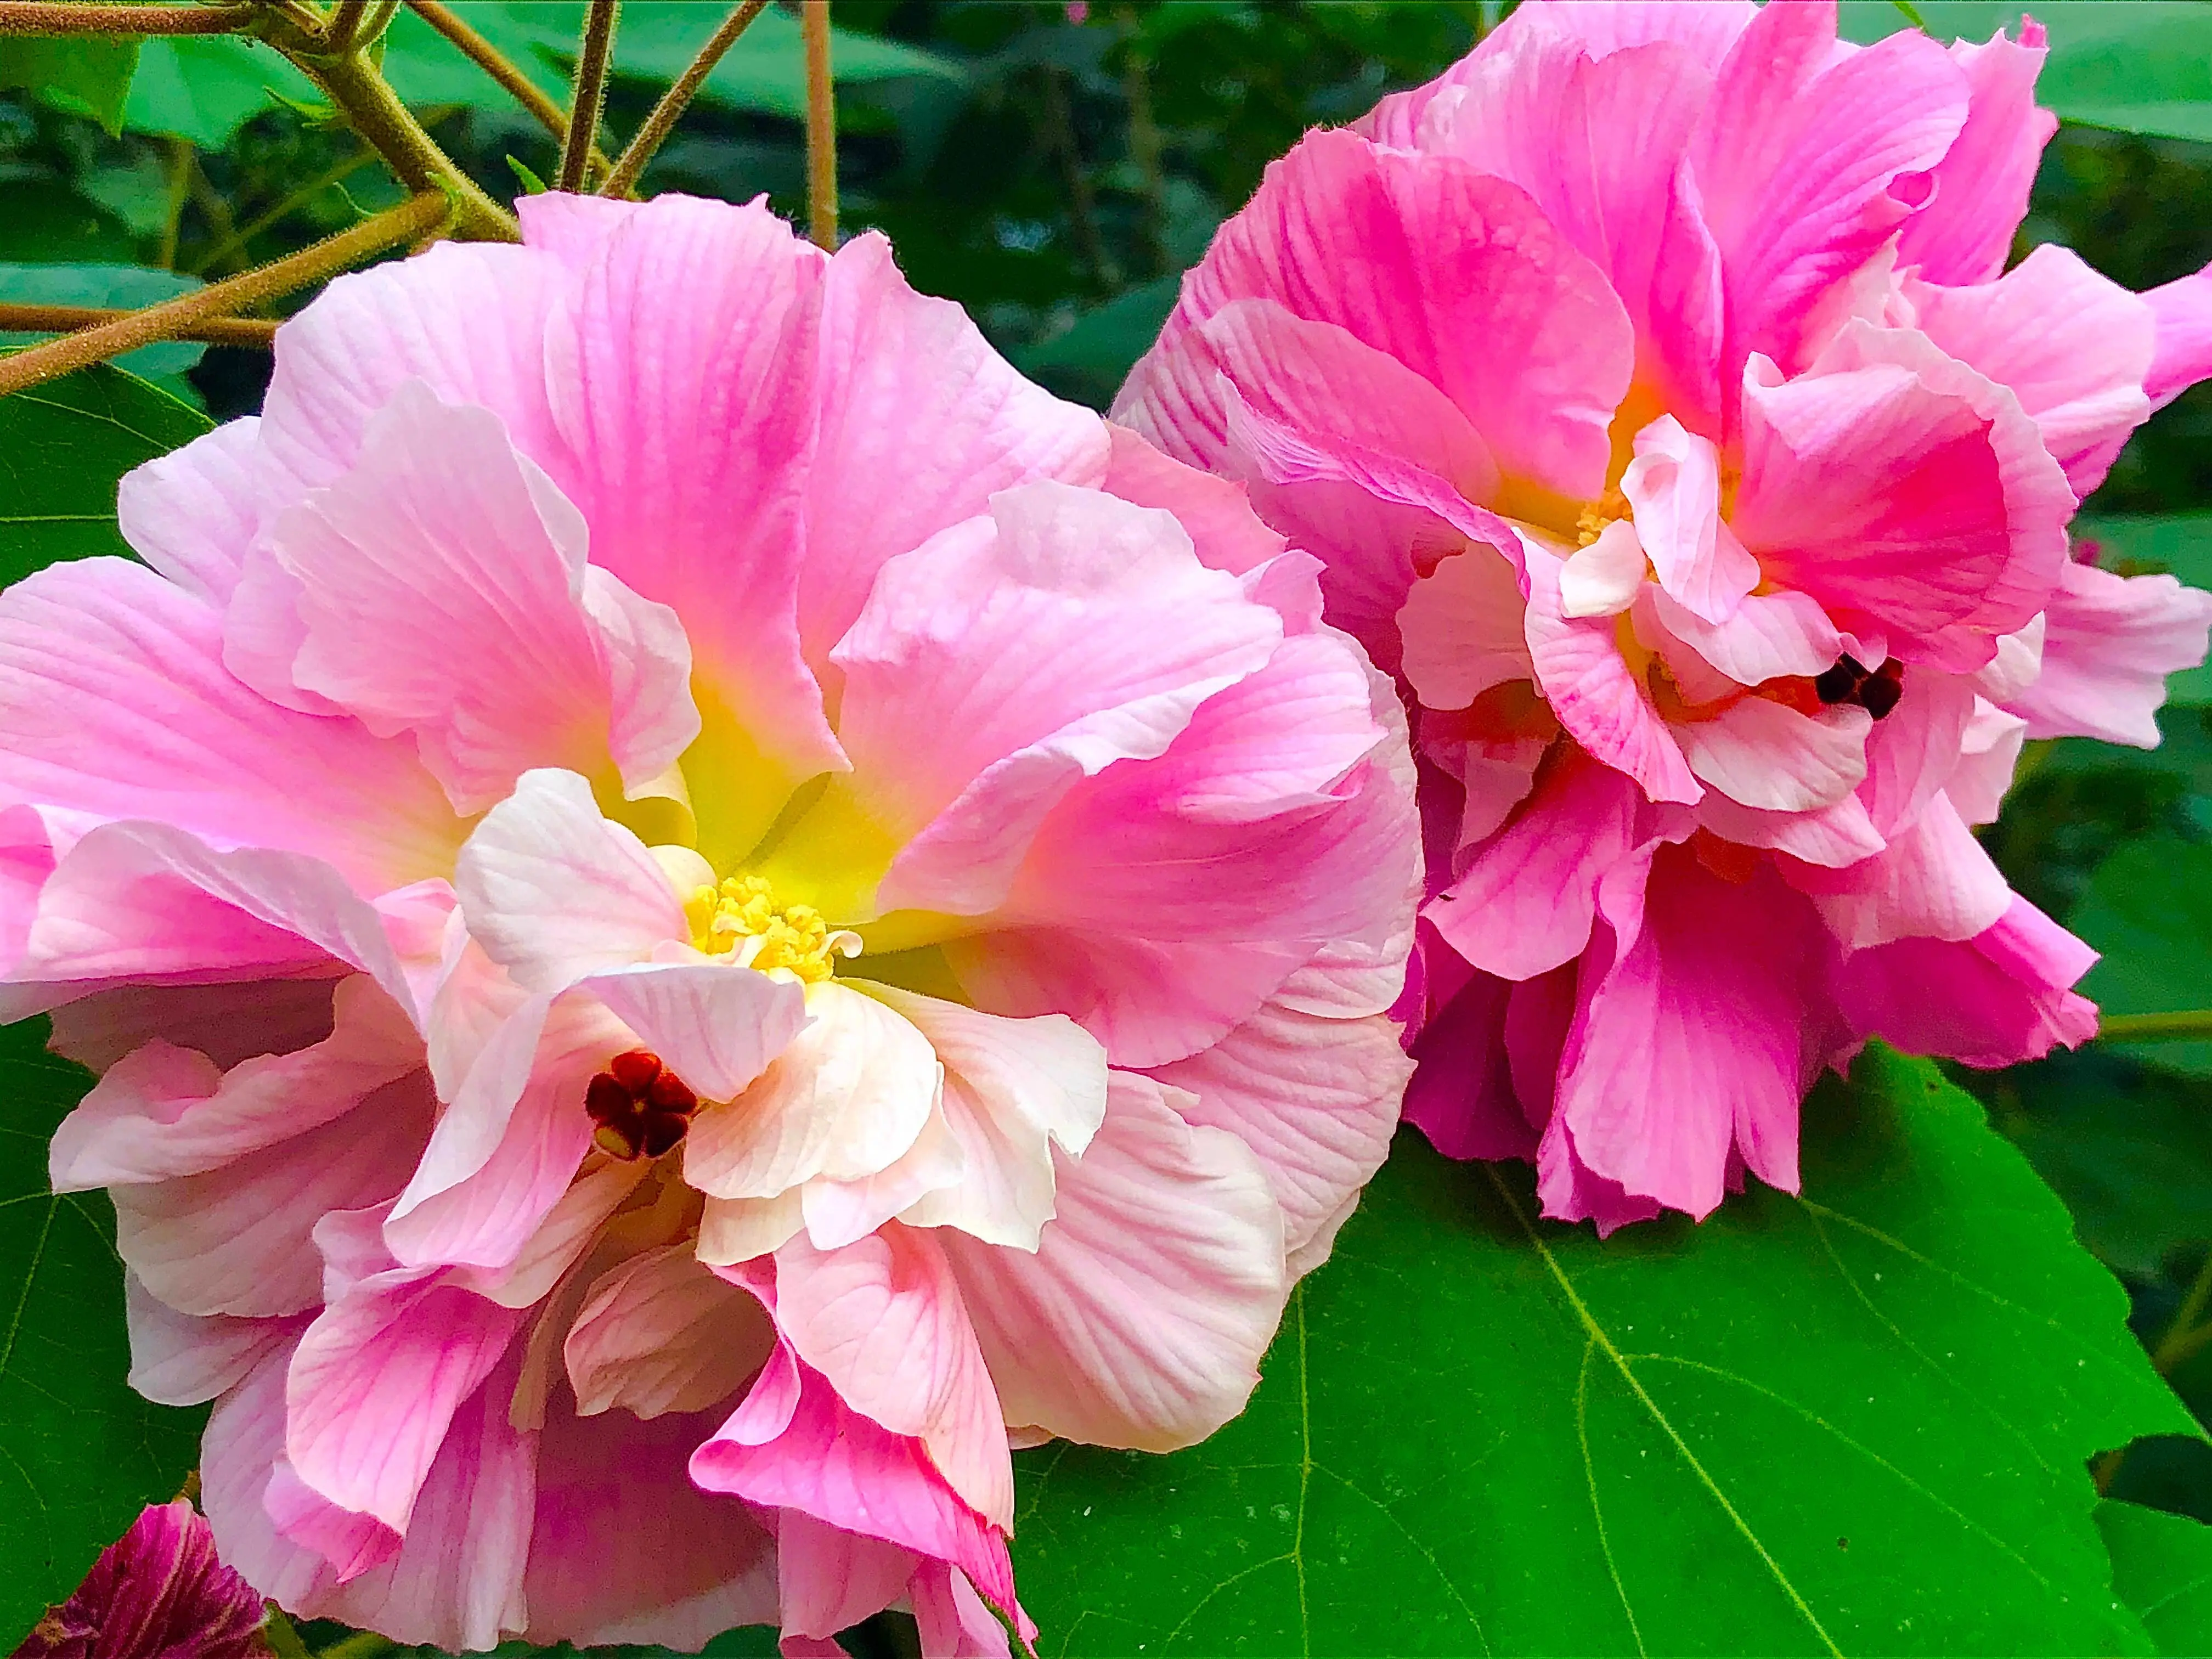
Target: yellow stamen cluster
1608,507
742,916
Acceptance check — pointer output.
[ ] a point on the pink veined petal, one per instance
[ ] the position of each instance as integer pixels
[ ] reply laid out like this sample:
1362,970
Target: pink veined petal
1904,491
1673,483
114,702
1706,28
1764,754
178,1359
1314,1095
1590,689
2006,995
571,228
835,1213
2110,641
2184,353
1990,748
1604,578
1695,1040
1005,661
553,891
844,1097
238,1239
922,423
794,1445
2073,346
1462,1096
662,1332
828,1579
686,378
882,1320
166,1110
1012,1089
468,319
1454,274
1913,751
1462,628
1525,902
1807,163
1965,232
159,1590
1140,1320
623,1548
1831,836
230,1023
1932,881
1770,636
714,1024
442,590
954,1624
192,513
1215,511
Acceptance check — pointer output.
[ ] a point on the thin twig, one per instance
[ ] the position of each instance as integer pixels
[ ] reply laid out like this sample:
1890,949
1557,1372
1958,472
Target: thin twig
512,79
68,320
2176,1027
1082,206
173,213
821,127
650,136
165,321
1144,144
64,17
588,91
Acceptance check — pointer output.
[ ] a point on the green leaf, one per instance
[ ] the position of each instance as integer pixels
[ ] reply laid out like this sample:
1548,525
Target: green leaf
128,286
2148,911
2180,543
204,88
2162,1569
80,1453
63,447
425,68
1854,1422
88,73
2134,67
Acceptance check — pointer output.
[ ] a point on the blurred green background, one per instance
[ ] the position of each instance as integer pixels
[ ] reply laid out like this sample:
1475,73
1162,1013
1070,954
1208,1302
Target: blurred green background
1053,168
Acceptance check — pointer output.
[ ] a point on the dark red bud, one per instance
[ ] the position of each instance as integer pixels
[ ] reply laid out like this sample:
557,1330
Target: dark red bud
670,1093
635,1070
606,1100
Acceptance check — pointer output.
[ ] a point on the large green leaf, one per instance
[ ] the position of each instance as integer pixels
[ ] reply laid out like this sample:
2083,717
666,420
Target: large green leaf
80,1453
2140,67
2180,543
87,73
2148,911
204,88
2162,1569
62,446
1853,1423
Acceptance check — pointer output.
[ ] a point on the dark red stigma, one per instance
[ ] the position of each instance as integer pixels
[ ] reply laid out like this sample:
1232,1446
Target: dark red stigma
639,1108
1875,690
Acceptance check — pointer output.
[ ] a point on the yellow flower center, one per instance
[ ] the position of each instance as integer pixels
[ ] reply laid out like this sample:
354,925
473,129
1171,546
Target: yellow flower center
1608,508
741,917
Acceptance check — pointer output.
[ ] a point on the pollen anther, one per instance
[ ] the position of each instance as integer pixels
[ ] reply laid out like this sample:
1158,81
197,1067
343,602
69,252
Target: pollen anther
740,918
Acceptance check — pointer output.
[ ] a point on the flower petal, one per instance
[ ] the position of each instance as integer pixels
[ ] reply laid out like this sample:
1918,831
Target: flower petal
662,1333
2110,643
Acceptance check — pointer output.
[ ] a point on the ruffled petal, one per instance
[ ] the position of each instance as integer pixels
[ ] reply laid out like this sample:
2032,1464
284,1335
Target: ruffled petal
191,513
1964,233
2110,641
662,1332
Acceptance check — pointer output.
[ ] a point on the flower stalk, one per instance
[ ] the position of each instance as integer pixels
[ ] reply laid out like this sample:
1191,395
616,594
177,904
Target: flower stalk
64,17
502,69
258,332
588,92
821,128
2182,1025
662,121
415,217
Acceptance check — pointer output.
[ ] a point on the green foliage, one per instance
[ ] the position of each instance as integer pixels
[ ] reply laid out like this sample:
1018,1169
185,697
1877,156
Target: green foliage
122,286
202,89
80,1454
2149,911
1480,1433
89,74
63,446
2162,1569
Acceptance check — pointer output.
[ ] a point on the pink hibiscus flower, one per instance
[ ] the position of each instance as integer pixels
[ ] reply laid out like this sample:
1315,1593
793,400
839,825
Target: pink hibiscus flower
1653,387
158,1592
697,907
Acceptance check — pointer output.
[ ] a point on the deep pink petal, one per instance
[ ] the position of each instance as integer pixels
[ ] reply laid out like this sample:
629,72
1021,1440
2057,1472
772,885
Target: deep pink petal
1964,233
2110,643
2184,353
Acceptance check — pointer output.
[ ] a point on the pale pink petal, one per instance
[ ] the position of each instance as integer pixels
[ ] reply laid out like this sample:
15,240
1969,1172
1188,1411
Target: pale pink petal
1831,836
114,702
714,1024
228,1023
1807,162
685,378
1603,578
843,1099
166,1110
1990,748
191,513
552,890
841,1212
1903,491
662,1333
1965,232
566,1235
1762,753
732,1230
1913,751
1011,1086
1454,274
882,1320
1216,512
1706,28
2073,346
2184,353
1006,660
178,1359
1140,1320
2005,995
954,1624
1932,881
1770,636
830,1580
2110,643
1673,483
1462,630
922,423
442,591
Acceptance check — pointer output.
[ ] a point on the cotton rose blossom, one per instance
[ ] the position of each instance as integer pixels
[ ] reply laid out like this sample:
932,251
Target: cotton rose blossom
697,907
158,1592
1654,387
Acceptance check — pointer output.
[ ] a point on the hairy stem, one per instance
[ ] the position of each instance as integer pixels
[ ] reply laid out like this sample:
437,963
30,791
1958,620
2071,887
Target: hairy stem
343,32
821,127
68,320
650,136
414,217
2177,1027
493,61
588,92
63,17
